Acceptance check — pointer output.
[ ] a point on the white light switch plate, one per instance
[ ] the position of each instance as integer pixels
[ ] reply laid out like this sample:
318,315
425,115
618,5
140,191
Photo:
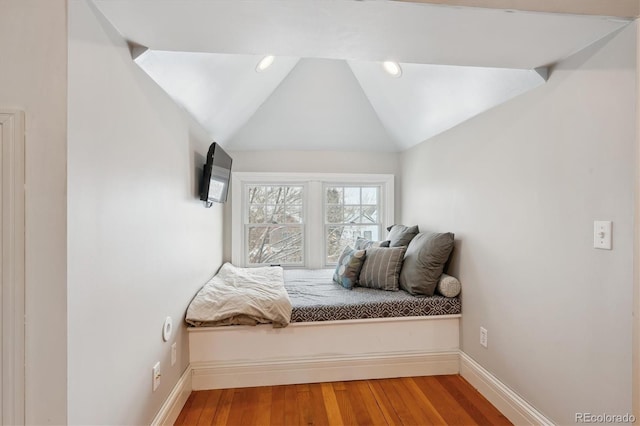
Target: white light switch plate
602,234
156,376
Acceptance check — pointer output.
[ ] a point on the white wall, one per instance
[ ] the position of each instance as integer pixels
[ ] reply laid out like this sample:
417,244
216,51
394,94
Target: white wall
313,162
521,186
140,243
316,161
33,71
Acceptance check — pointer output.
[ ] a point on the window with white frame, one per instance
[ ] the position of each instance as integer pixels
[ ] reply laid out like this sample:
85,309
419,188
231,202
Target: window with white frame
306,220
274,225
351,212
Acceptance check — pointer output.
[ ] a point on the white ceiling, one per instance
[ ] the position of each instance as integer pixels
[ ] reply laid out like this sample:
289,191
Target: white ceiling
220,91
363,107
429,99
357,30
319,106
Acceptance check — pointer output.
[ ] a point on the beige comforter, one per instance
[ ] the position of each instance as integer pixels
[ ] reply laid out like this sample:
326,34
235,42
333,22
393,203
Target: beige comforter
247,296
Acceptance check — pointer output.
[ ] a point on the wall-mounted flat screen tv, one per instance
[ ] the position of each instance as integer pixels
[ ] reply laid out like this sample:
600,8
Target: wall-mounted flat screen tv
216,176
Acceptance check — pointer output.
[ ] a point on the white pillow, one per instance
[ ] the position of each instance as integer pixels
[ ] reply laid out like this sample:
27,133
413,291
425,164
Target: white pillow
448,286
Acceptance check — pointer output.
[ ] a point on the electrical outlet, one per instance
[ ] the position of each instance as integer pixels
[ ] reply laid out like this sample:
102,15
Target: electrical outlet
156,376
484,338
174,353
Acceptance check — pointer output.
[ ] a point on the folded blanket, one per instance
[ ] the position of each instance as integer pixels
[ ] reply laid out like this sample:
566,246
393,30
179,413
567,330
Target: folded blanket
242,296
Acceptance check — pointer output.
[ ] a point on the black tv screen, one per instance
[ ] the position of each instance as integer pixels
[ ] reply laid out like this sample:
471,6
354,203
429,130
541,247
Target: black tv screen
216,176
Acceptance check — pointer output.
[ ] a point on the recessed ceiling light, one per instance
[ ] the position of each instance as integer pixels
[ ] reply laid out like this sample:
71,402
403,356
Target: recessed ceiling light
265,63
392,68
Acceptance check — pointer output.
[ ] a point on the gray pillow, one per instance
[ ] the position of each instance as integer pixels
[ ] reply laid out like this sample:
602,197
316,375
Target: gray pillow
381,269
348,268
400,235
424,262
363,243
448,286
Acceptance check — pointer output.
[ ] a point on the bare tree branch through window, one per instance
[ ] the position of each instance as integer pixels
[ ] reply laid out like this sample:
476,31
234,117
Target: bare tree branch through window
275,228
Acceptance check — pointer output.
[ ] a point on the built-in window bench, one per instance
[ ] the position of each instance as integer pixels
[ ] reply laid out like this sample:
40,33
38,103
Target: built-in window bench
326,341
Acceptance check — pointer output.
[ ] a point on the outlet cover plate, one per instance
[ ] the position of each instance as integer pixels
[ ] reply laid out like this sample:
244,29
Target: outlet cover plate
602,234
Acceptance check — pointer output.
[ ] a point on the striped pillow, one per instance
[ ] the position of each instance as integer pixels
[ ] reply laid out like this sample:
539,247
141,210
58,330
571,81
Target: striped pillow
381,269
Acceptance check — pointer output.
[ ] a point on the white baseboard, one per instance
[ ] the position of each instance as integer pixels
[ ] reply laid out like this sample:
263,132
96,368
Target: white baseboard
516,409
171,408
220,375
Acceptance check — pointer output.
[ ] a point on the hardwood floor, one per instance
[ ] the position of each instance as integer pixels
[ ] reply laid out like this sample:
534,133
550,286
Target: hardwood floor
434,400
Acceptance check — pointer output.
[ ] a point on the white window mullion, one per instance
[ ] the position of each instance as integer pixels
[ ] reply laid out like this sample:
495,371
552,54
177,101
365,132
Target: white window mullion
238,221
315,228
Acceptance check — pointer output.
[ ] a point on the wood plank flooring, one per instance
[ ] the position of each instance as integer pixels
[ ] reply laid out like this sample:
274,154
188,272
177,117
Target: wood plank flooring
433,400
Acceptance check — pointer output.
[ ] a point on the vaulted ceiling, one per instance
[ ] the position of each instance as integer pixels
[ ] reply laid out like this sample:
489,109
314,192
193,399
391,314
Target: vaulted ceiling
326,89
